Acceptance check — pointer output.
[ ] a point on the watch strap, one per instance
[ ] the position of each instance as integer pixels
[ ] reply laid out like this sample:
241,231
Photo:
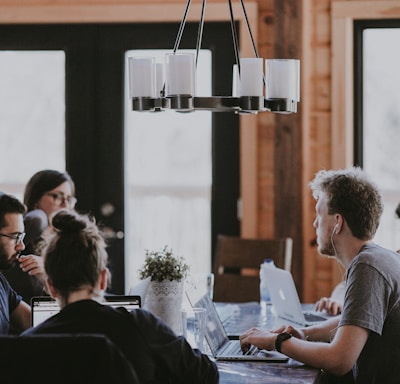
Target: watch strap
280,339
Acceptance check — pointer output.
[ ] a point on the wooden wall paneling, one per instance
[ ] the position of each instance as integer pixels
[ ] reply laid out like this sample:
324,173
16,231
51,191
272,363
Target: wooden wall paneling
249,153
308,101
288,190
317,152
266,203
342,92
266,130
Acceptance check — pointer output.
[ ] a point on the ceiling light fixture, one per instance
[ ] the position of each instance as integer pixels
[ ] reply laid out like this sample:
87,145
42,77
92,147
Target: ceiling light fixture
171,85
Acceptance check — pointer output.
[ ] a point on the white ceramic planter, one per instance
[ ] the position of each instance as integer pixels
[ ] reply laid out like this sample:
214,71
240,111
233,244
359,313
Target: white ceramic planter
164,300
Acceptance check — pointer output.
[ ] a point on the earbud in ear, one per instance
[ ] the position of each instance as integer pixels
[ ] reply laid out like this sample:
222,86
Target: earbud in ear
335,227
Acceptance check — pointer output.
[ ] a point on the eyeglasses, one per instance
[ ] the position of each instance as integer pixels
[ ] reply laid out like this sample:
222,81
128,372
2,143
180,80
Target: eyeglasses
18,237
60,198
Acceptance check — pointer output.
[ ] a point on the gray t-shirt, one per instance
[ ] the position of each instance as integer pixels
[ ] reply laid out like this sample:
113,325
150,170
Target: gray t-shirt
372,301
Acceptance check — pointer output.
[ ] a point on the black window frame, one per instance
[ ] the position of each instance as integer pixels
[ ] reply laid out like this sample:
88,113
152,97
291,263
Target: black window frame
86,111
359,27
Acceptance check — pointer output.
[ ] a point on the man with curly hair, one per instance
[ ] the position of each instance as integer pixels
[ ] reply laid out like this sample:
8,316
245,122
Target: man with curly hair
363,343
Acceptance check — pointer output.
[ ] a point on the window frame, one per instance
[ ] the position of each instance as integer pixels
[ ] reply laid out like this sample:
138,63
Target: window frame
343,16
359,27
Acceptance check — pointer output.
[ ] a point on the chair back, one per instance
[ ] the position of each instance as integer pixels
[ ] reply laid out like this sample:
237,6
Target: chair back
237,265
62,359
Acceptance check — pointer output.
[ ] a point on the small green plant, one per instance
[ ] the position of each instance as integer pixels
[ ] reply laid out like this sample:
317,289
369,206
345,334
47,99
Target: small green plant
163,265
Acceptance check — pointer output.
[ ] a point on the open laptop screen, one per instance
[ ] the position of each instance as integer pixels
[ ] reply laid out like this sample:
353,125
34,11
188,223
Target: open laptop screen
43,307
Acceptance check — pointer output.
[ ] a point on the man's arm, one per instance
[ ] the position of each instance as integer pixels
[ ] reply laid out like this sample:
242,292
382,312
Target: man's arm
323,331
337,357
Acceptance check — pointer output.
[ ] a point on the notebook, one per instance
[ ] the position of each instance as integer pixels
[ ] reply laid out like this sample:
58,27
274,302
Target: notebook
221,347
285,299
43,307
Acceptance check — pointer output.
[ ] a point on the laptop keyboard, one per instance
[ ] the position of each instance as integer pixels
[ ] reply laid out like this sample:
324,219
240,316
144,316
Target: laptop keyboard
233,349
312,317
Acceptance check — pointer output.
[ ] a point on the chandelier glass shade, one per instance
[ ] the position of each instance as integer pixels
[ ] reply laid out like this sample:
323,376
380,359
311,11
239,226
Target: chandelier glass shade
258,85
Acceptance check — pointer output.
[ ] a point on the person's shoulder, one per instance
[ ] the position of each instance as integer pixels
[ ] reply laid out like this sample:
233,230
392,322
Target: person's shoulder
8,294
371,253
35,222
4,282
378,258
138,314
36,216
144,318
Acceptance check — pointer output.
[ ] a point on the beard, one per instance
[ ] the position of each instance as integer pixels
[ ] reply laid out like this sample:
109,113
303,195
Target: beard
5,261
327,248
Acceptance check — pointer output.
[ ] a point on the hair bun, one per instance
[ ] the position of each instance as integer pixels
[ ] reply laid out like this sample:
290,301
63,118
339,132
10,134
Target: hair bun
68,222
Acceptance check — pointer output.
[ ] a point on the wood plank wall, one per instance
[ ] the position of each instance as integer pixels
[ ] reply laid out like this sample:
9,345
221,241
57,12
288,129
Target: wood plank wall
289,148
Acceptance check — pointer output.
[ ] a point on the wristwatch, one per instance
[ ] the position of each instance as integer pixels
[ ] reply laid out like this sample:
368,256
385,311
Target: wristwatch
280,339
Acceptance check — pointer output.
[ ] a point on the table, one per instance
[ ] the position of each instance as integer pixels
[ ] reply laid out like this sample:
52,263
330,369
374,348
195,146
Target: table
260,373
237,318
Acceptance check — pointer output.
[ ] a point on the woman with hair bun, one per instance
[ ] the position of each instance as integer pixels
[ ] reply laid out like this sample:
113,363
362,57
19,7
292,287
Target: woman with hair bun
75,261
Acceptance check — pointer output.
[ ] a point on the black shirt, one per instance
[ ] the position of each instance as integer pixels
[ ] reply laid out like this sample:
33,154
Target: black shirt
155,352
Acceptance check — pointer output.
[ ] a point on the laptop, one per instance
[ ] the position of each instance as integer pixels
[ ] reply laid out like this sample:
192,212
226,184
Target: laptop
223,348
43,307
285,300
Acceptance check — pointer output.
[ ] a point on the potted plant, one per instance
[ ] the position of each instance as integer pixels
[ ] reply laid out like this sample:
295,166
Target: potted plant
163,265
164,295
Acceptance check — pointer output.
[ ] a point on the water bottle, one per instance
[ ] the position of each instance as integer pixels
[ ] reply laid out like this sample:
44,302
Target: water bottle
265,297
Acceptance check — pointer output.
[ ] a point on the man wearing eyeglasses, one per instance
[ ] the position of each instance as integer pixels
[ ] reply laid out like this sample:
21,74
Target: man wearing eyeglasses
14,313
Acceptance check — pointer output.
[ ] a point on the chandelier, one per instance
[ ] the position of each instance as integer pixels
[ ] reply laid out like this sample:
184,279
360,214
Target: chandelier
171,85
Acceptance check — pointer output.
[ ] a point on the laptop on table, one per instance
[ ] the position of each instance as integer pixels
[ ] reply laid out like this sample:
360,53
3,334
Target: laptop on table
223,348
43,307
285,299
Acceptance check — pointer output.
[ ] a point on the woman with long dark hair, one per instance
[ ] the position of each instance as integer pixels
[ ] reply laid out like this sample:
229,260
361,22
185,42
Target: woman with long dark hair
48,191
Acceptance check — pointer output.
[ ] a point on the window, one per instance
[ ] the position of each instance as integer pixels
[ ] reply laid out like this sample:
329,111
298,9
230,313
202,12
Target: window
85,86
168,179
32,110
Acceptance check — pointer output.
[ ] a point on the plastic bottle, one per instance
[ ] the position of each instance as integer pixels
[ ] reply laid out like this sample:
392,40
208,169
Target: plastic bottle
265,297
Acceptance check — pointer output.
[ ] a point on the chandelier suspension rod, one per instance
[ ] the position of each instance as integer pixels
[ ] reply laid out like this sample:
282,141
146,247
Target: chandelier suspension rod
200,30
249,29
182,26
201,27
234,36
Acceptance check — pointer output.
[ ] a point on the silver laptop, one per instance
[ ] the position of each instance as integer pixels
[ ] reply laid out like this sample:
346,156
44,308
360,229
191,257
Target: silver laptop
43,307
221,347
285,299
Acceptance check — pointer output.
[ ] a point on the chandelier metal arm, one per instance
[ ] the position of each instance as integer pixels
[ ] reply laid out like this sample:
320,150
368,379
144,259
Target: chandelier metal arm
241,105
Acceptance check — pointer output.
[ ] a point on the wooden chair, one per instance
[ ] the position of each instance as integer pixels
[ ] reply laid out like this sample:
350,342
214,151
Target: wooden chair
237,265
